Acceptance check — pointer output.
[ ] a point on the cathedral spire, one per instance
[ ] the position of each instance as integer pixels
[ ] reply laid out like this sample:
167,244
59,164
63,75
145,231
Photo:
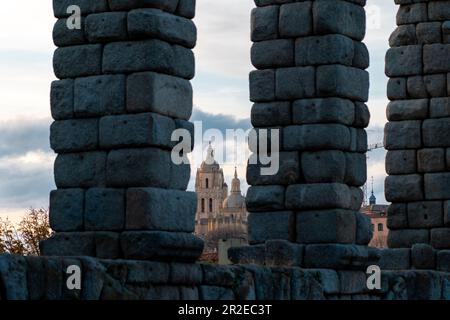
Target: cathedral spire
210,154
235,183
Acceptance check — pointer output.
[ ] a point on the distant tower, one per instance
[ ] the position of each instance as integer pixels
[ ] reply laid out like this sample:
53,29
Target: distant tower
372,199
211,192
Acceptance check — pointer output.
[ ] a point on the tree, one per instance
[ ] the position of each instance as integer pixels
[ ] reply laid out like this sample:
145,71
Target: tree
213,237
24,238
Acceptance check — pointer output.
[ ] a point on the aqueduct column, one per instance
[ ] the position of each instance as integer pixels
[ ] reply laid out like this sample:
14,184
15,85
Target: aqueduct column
123,89
418,133
311,84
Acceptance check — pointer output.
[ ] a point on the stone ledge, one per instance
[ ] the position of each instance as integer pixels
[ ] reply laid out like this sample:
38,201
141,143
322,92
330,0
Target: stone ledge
37,278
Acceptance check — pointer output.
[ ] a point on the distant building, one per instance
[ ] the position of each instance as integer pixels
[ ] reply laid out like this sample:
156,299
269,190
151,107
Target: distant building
216,209
378,215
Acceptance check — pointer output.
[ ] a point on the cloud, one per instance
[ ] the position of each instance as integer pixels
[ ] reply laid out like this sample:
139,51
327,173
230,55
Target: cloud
26,164
20,136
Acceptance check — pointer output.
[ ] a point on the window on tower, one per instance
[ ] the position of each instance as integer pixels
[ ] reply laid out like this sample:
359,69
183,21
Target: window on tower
203,205
380,227
207,183
210,205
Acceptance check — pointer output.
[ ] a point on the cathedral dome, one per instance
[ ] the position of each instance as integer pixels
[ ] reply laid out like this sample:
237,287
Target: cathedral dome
210,164
235,199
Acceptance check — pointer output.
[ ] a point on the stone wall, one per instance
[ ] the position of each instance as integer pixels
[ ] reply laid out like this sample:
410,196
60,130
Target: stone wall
123,90
39,278
311,84
417,135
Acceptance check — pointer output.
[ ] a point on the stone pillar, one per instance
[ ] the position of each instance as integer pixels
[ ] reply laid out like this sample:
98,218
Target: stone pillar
311,84
124,88
417,135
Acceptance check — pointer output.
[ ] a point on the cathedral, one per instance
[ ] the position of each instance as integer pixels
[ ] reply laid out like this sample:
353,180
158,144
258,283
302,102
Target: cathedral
216,208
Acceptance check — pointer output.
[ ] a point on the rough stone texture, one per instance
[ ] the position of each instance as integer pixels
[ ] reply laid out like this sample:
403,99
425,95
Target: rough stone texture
418,130
123,89
310,83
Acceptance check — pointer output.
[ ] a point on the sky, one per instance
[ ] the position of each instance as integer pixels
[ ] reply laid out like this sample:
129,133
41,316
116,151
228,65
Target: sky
220,90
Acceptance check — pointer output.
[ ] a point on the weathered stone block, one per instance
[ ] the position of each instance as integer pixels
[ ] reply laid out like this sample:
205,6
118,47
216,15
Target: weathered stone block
160,209
295,19
429,32
74,170
352,282
78,61
342,81
107,245
328,279
355,169
401,161
431,160
13,276
438,10
328,110
161,246
323,166
280,253
407,238
395,259
328,49
335,256
107,26
358,139
404,188
185,274
153,23
316,137
148,55
273,53
423,257
104,209
397,216
66,209
436,85
216,293
271,114
440,238
295,83
434,58
362,115
407,110
403,135
63,36
443,260
328,226
288,170
86,6
262,85
99,95
404,61
403,35
340,17
139,168
74,135
318,196
140,130
265,198
427,214
264,23
361,58
364,232
435,132
248,255
61,99
412,13
69,244
186,8
163,94
261,227
440,107
437,186
396,89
